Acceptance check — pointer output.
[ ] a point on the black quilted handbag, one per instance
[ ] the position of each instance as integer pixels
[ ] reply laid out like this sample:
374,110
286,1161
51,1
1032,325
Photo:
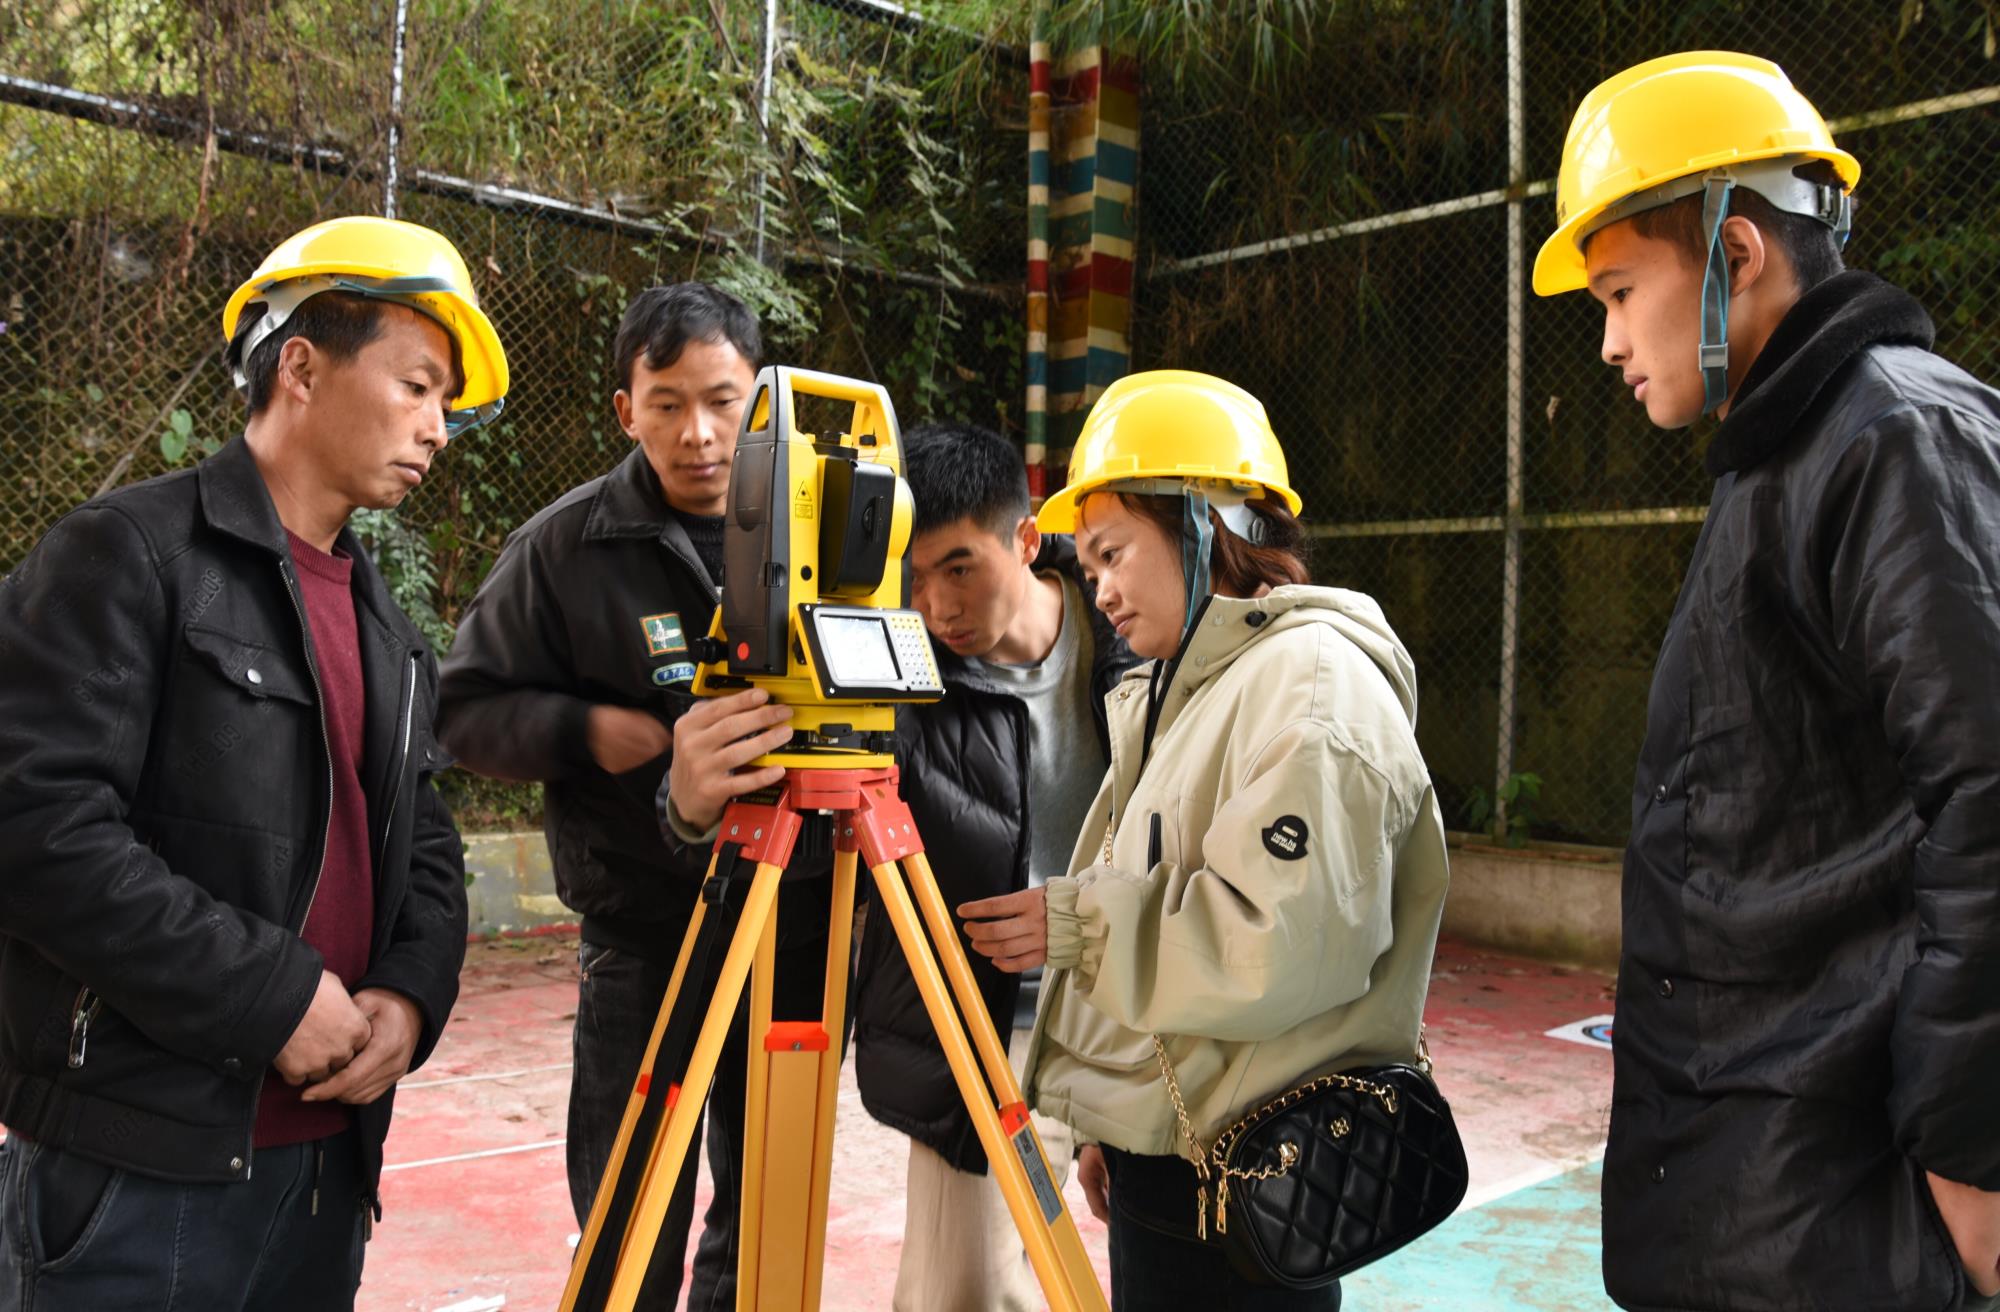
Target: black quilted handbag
1329,1176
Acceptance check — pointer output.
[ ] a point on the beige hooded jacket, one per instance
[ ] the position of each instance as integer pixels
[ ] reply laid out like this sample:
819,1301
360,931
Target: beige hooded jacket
1276,876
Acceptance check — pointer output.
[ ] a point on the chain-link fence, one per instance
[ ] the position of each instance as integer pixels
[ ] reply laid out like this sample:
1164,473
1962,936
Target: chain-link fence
856,179
1338,205
1344,222
863,196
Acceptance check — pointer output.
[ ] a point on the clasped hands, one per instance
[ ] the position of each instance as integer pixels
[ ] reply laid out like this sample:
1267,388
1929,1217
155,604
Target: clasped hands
350,1049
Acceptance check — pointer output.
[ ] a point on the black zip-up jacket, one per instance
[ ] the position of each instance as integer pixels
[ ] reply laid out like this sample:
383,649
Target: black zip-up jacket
163,817
1809,996
965,776
594,602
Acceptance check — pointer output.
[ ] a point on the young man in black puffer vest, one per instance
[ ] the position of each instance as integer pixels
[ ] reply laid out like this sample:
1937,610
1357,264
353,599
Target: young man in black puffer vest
998,775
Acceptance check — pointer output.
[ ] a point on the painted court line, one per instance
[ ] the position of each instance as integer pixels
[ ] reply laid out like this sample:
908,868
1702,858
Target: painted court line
1527,1179
467,1157
1591,1032
469,1079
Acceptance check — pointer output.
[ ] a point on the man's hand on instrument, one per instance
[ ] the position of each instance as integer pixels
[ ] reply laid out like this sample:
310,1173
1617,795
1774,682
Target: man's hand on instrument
714,743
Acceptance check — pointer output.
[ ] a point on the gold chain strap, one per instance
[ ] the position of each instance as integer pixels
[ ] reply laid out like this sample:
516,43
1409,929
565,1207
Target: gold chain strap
1187,1133
1213,1162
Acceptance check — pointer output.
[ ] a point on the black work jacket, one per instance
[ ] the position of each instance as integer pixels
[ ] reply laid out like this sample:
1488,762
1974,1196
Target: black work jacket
965,776
1809,996
594,602
168,786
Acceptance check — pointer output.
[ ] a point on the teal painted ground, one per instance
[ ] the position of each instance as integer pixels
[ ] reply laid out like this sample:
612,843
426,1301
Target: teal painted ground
1534,1249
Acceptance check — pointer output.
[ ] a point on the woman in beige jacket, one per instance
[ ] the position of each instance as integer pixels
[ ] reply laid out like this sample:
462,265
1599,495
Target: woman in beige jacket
1263,871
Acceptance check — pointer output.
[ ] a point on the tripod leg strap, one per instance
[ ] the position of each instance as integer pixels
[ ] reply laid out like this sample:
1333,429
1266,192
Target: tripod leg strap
722,894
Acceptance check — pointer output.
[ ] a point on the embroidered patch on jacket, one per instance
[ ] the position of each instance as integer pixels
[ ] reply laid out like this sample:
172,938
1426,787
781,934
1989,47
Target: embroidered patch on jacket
670,674
663,633
1286,838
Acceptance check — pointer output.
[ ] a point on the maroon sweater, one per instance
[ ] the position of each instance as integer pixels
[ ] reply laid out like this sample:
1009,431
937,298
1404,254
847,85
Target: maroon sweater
341,921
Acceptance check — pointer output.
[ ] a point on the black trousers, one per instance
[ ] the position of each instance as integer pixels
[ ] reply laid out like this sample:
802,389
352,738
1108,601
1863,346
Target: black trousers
1158,1261
80,1236
618,1000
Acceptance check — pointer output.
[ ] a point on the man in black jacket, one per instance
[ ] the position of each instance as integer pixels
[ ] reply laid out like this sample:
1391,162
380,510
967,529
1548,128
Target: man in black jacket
560,673
1808,1037
233,905
998,776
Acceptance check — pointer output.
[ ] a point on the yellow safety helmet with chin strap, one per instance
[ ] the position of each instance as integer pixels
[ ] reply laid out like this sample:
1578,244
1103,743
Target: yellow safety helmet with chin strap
1172,424
384,259
1174,432
1706,122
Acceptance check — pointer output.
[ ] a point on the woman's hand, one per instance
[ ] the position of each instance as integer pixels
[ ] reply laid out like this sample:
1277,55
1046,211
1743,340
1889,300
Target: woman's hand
1013,930
1096,1181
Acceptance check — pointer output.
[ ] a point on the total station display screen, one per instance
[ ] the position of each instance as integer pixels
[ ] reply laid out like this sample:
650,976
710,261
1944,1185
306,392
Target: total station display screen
857,648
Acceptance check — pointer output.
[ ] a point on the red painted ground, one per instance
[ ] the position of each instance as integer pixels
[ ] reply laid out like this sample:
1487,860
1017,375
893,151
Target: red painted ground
463,1234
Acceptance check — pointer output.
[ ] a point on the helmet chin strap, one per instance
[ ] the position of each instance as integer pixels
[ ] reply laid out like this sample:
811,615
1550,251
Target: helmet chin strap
1230,504
1197,540
1777,181
1714,355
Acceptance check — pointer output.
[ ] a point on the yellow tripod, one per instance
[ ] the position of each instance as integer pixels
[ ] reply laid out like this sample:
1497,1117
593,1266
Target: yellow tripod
795,1066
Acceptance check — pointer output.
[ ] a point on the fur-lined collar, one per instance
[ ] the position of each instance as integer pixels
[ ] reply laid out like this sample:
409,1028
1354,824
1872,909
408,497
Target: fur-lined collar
1829,326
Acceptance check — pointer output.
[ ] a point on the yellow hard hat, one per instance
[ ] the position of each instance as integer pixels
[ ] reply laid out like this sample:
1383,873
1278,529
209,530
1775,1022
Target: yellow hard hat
1171,424
390,260
1675,120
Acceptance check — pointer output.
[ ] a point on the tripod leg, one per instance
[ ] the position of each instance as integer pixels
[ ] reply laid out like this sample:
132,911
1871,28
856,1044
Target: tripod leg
632,1200
937,918
1013,1151
635,1104
794,1090
839,964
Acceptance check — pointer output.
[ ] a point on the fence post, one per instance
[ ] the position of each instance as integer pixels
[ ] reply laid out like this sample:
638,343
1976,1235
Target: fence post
395,110
1510,587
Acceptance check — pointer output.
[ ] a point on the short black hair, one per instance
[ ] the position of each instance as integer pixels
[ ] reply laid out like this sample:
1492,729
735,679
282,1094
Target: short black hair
1809,245
661,321
339,323
962,471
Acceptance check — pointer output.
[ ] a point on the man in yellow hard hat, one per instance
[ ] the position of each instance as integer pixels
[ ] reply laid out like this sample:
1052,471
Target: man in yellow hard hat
233,905
1808,1041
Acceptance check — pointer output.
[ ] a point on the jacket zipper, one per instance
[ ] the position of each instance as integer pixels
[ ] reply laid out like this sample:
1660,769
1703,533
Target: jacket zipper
87,1006
406,726
319,701
326,831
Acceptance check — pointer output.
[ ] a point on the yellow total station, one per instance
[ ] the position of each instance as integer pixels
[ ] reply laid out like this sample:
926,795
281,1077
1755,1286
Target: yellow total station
813,540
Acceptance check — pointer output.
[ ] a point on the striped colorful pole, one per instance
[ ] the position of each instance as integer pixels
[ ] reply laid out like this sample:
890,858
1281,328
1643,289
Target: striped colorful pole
1083,140
1112,224
1038,254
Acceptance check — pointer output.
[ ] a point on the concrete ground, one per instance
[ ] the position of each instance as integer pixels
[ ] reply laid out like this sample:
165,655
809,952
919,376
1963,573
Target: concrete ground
478,1215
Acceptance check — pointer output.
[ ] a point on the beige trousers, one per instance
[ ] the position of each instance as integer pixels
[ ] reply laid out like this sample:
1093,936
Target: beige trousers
961,1252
